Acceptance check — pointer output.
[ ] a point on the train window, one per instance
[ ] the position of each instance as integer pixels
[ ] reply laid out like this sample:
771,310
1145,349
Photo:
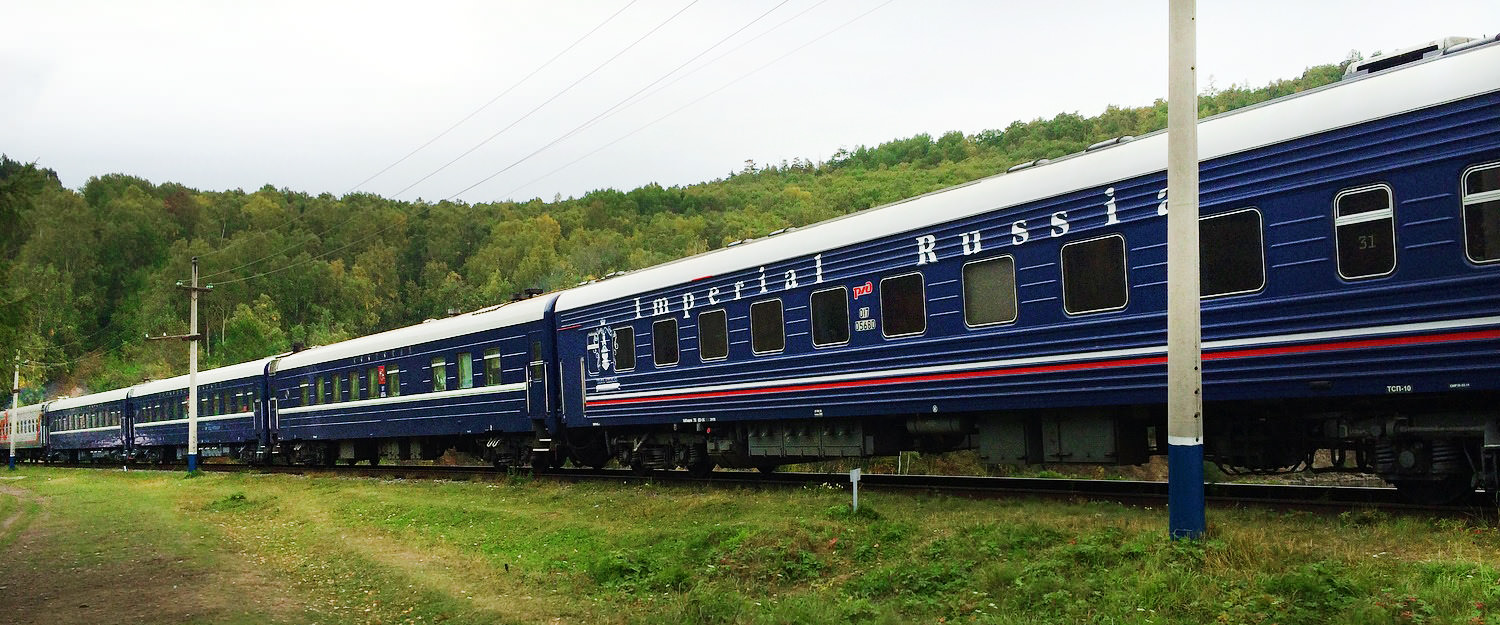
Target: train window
903,305
767,327
1231,253
439,374
306,394
538,366
1365,232
829,311
465,370
990,291
354,390
713,335
664,342
322,390
1093,275
491,367
338,388
373,377
393,382
218,402
624,348
1482,213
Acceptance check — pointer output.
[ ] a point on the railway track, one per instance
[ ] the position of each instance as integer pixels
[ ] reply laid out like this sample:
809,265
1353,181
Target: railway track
1480,504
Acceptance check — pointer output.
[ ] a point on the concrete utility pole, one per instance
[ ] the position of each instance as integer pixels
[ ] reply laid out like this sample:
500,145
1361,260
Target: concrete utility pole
192,337
1184,332
15,402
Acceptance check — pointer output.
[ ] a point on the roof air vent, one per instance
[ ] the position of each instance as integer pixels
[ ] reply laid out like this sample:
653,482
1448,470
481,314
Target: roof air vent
1108,142
1027,165
1403,57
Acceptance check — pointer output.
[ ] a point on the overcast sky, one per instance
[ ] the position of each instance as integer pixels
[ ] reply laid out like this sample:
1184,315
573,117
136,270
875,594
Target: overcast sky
320,96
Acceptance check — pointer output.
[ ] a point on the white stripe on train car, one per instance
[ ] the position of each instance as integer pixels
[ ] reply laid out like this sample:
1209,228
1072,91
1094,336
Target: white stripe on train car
222,417
463,392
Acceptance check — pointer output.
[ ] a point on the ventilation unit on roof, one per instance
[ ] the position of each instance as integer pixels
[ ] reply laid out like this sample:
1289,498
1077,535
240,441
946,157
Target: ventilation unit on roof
1027,165
1108,142
1403,57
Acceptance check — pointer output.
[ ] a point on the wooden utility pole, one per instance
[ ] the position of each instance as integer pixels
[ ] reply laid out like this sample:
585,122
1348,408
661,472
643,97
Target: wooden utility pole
192,337
1184,332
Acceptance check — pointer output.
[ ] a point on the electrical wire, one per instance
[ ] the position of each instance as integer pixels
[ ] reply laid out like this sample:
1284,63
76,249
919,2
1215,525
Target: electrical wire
621,103
693,102
429,207
494,99
548,100
440,135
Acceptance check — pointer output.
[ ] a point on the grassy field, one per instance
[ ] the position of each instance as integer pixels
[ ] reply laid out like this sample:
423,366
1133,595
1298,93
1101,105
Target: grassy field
148,547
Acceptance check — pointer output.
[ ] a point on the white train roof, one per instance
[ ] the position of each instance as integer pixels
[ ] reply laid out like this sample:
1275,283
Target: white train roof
515,313
88,400
1346,103
23,412
210,376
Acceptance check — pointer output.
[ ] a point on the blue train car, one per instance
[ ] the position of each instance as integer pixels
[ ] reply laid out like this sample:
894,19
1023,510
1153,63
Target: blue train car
476,383
89,428
1351,302
231,414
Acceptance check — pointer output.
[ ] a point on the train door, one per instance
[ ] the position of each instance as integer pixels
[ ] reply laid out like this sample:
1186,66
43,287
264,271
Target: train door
537,405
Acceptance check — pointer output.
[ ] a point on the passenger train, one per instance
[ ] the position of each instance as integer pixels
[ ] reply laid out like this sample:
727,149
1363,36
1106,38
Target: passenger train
1350,304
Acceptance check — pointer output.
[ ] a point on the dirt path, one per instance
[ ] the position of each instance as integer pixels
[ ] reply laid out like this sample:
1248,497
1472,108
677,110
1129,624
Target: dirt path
51,577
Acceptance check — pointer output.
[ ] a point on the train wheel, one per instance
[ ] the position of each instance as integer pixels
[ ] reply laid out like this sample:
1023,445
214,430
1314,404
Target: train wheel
768,468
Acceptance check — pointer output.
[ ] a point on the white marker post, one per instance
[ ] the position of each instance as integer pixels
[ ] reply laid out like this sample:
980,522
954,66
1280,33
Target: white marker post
854,481
1184,332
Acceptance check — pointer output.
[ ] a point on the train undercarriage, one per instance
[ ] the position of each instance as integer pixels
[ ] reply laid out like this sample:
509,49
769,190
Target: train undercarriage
1432,449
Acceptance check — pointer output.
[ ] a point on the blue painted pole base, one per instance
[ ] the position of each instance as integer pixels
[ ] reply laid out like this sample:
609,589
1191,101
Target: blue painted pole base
193,463
12,463
1185,491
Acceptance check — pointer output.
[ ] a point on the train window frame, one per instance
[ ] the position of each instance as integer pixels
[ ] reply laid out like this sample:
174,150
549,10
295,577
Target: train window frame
1388,213
780,312
492,366
393,381
1466,199
1015,295
337,388
614,334
1261,221
812,325
656,344
723,323
439,369
465,370
922,280
1062,273
354,384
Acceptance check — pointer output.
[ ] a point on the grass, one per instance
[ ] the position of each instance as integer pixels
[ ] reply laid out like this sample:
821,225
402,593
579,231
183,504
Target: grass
531,551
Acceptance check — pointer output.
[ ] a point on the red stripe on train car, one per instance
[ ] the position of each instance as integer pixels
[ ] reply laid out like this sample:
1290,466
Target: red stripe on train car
1078,366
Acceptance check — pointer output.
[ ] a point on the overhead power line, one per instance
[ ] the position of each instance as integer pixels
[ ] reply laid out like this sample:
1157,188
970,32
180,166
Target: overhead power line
495,99
429,207
696,100
419,148
548,100
617,105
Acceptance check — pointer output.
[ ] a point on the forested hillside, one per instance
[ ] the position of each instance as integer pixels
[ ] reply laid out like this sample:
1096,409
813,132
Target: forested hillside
89,272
